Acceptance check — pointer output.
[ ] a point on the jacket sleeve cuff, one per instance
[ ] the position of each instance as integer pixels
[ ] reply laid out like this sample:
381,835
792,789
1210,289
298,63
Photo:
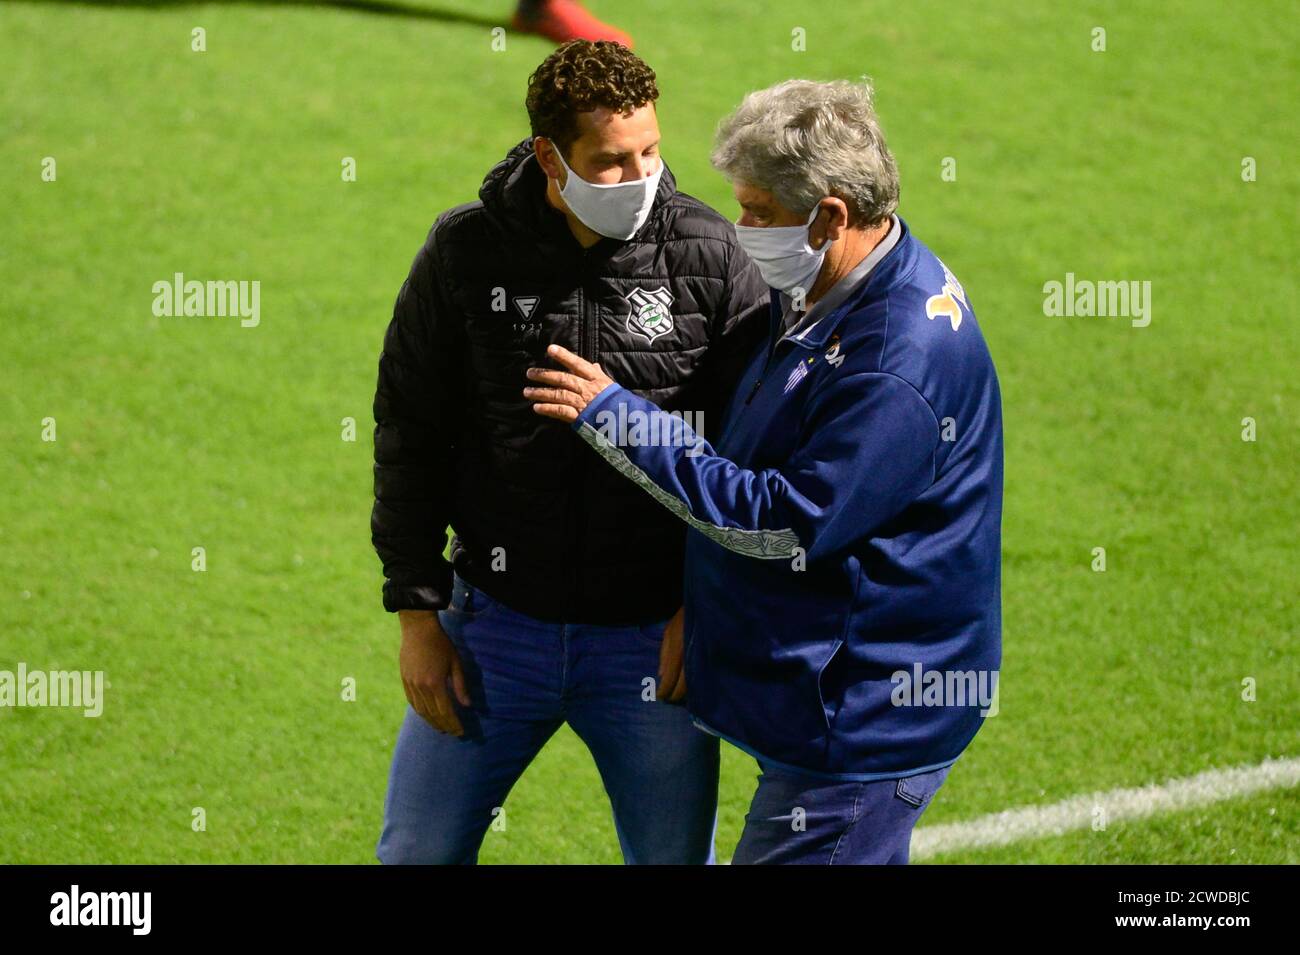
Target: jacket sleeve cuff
609,396
414,597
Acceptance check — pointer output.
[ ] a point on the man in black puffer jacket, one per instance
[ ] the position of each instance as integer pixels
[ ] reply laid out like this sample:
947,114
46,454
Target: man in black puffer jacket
561,602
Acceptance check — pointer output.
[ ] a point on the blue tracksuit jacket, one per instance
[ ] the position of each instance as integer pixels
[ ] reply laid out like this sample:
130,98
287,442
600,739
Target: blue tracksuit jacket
843,567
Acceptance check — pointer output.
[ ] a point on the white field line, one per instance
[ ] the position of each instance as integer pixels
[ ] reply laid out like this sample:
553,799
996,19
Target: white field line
1077,812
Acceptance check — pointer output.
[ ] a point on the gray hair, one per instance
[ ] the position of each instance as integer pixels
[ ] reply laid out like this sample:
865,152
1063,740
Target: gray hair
802,140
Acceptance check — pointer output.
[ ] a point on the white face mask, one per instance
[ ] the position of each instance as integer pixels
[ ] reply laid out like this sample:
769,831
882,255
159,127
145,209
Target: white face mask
616,210
783,255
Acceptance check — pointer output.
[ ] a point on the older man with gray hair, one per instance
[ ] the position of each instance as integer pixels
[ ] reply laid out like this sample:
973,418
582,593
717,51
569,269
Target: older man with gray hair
842,592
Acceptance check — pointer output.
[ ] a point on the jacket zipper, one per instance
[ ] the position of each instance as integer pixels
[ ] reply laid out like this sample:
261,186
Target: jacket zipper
771,353
775,335
577,597
582,321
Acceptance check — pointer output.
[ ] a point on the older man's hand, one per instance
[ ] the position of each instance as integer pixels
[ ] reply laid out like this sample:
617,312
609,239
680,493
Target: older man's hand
564,395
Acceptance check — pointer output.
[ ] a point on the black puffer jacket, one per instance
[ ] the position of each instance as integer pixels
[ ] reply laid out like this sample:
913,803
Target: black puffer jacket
541,523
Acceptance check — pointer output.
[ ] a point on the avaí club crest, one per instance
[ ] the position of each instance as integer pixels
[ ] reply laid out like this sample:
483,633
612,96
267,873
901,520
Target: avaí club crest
650,316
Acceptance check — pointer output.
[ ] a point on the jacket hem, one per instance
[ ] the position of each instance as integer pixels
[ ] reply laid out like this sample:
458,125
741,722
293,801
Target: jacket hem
816,774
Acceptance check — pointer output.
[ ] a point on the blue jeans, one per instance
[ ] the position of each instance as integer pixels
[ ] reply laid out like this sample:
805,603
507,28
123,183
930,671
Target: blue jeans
525,678
801,820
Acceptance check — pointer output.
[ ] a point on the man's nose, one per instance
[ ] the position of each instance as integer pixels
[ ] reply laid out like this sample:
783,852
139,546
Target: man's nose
642,167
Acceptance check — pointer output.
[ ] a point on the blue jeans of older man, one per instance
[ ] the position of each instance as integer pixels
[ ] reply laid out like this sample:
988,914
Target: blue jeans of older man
797,819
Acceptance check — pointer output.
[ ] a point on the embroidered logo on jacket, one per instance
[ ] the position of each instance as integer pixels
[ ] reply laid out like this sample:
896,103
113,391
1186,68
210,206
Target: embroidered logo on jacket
948,302
799,373
649,316
834,357
526,304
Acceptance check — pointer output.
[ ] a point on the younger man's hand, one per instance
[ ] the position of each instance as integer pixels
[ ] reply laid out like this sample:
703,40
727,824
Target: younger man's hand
672,676
431,668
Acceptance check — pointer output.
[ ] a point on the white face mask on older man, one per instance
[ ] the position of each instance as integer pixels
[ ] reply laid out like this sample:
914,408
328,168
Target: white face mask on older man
783,255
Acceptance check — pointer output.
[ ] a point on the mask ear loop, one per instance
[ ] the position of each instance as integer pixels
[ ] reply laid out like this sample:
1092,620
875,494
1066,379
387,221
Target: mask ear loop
564,165
568,173
807,245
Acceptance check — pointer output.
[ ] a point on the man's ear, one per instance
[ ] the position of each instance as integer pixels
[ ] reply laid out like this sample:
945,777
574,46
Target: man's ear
545,151
831,222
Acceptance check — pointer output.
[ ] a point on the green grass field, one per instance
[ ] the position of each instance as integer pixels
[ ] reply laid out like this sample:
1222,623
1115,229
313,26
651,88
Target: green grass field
176,433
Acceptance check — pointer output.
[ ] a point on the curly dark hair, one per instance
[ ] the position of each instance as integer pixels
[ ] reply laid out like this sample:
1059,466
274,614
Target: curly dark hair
581,76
